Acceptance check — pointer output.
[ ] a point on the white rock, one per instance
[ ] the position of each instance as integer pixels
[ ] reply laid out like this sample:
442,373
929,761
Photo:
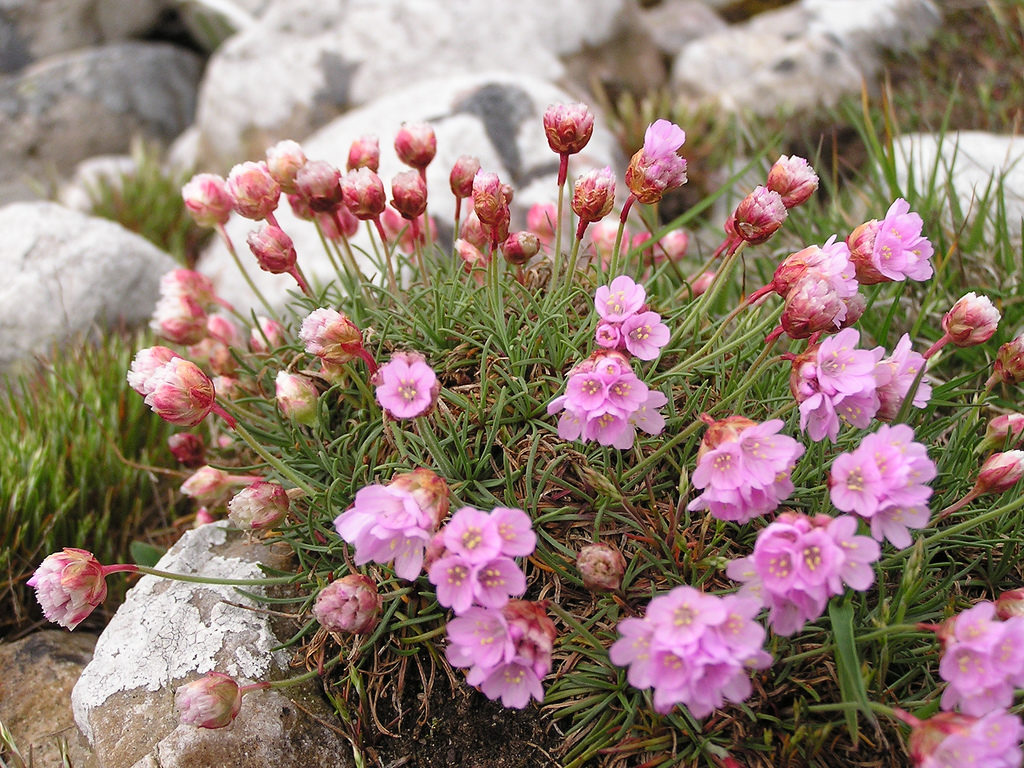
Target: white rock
673,24
305,62
66,273
496,117
975,162
169,632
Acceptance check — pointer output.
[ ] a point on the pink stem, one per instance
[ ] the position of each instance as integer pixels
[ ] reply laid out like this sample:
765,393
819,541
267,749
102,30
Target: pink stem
563,167
936,346
228,418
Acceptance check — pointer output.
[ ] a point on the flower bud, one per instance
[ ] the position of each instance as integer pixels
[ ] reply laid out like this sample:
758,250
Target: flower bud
331,336
812,305
364,153
207,199
855,308
179,318
488,198
702,283
1009,364
657,168
209,702
69,585
338,223
409,194
1004,430
260,505
429,490
532,633
473,232
284,160
759,215
267,335
861,243
416,144
794,180
207,485
188,448
520,247
971,321
146,363
254,193
1000,472
672,246
1010,604
297,397
461,177
568,127
273,249
363,193
594,194
180,393
601,567
318,185
350,605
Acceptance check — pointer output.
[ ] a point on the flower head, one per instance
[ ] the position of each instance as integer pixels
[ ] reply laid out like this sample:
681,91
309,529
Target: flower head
350,605
331,336
461,177
568,127
945,739
759,215
619,300
1009,364
207,199
793,178
409,194
363,193
179,392
406,386
273,249
656,168
297,397
318,186
364,152
209,702
593,194
262,504
284,160
416,144
254,192
520,247
69,585
601,567
971,321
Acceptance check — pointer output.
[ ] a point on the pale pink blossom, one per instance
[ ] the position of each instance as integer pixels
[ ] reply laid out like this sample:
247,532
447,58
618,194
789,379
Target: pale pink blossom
349,605
656,167
69,585
406,386
213,701
254,192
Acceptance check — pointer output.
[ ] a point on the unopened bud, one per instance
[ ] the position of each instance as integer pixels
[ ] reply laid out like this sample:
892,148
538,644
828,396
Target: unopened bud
253,190
1009,364
187,448
672,246
461,178
267,335
759,215
702,283
273,249
971,321
409,194
488,198
318,184
794,180
520,247
260,505
364,153
1005,430
429,490
297,397
1000,472
207,199
1010,604
284,160
861,243
209,702
363,193
594,194
350,605
416,144
812,305
601,567
568,127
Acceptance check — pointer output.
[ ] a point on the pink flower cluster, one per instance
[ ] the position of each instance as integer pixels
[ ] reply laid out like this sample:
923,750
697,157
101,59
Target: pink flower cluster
819,289
884,481
173,387
507,650
799,562
692,649
626,323
475,565
835,381
395,522
69,585
605,401
892,249
982,660
744,468
949,740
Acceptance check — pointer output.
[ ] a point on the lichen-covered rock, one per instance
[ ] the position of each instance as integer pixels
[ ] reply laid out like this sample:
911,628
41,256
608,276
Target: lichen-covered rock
497,117
36,677
66,273
170,632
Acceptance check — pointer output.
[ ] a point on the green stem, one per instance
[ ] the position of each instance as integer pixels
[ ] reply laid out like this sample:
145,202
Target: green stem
312,674
297,480
200,579
556,256
641,467
241,268
751,377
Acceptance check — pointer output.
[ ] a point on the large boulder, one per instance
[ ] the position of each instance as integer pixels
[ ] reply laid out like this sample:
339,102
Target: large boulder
91,102
495,116
170,632
304,62
801,57
37,674
66,274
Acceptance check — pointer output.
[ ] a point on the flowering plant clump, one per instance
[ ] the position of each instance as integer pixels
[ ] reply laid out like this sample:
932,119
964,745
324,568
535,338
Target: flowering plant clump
578,468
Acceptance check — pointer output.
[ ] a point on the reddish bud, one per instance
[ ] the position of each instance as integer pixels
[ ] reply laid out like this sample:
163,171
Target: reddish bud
260,505
267,335
861,243
461,178
971,321
188,448
794,180
318,185
1010,604
253,190
568,127
363,193
1009,364
601,567
416,144
759,215
207,200
428,489
273,249
350,605
409,194
672,246
69,585
209,702
1000,472
284,160
594,195
364,153
520,247
297,397
180,393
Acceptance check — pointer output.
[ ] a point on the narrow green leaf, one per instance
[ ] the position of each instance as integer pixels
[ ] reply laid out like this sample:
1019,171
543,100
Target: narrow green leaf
851,684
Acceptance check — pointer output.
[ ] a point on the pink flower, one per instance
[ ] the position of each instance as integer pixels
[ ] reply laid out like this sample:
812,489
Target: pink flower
350,605
180,393
644,335
416,144
69,585
619,300
261,504
793,178
568,127
899,251
209,702
253,190
461,177
273,249
943,740
656,168
406,386
971,321
395,522
507,650
207,199
297,397
363,193
318,185
600,567
593,195
759,215
284,159
364,152
904,365
693,649
744,468
830,262
799,562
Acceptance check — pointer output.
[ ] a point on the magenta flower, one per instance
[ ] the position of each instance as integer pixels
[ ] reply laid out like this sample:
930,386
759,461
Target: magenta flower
945,739
744,468
69,585
799,562
899,251
904,365
692,649
395,522
656,167
406,386
620,300
644,335
507,650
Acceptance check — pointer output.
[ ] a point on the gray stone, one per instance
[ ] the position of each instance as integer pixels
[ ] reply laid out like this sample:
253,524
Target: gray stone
66,274
975,163
37,674
673,24
91,102
31,30
170,632
802,56
496,117
305,62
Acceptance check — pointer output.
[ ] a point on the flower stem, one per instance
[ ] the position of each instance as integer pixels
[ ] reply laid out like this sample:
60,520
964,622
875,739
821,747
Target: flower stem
273,461
199,578
241,268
